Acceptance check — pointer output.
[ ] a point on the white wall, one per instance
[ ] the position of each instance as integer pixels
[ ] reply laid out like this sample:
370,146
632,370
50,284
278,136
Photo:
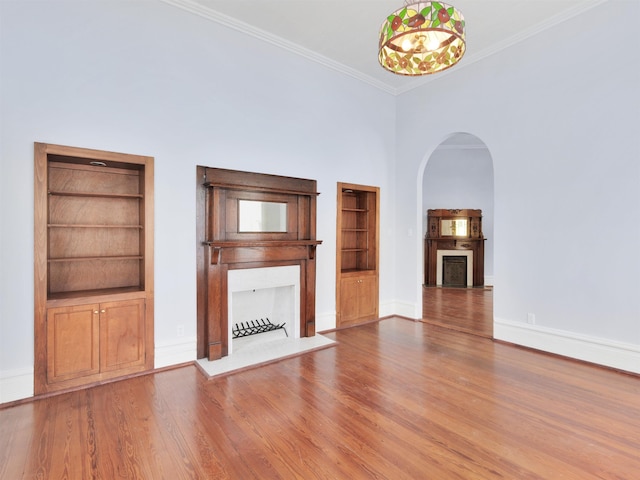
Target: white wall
461,177
559,114
148,78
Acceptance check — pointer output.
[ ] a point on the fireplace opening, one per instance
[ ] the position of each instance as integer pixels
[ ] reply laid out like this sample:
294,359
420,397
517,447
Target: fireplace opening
454,271
261,302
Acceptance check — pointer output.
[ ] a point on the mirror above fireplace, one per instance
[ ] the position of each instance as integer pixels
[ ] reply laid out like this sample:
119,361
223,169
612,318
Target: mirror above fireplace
257,216
454,227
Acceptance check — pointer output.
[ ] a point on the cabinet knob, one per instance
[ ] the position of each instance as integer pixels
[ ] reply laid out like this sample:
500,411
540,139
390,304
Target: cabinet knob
96,311
102,311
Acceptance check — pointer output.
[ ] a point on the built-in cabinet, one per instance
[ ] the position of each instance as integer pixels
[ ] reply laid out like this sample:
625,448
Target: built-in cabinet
93,266
357,248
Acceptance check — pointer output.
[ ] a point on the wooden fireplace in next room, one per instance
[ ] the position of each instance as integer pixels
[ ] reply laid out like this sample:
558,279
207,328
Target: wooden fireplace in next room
454,233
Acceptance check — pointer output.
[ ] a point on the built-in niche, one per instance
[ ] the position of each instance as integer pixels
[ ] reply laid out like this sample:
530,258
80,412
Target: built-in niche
454,248
256,223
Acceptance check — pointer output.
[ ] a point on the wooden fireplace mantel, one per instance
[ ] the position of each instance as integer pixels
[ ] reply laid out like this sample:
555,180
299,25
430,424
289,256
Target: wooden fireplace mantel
440,237
222,246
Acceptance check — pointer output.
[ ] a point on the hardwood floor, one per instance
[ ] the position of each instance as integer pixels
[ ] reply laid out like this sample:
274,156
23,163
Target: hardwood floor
394,399
468,310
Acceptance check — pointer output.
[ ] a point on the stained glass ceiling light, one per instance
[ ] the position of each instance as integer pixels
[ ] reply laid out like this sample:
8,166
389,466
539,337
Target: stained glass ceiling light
422,38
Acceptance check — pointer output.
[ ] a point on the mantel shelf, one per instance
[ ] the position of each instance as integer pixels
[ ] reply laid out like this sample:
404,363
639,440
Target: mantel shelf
262,243
264,189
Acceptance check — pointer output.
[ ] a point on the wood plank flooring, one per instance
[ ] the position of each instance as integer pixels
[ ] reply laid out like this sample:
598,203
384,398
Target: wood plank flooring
468,310
394,399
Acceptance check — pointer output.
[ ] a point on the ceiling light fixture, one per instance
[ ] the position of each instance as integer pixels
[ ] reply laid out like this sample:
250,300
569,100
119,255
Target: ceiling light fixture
422,38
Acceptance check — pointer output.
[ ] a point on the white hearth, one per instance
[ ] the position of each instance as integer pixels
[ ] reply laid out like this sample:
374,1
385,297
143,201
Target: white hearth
272,292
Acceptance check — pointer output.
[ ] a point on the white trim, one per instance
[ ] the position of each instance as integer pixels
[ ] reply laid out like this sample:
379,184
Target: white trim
210,14
386,309
16,384
488,281
405,309
326,321
457,147
506,43
176,352
609,353
227,21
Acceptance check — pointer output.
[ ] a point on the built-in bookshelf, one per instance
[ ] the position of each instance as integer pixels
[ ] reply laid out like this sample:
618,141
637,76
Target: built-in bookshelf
357,253
93,265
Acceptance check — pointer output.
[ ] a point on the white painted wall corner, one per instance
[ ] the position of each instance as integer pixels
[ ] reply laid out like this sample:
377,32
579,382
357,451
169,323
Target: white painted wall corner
175,353
16,384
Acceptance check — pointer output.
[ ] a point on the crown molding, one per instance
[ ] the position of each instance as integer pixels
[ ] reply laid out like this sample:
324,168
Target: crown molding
235,24
451,146
508,42
238,25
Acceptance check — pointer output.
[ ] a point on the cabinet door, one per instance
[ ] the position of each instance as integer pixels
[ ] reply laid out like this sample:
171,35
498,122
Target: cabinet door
349,300
367,297
122,335
73,342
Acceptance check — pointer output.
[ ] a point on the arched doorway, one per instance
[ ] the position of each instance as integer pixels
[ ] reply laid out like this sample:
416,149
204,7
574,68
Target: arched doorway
459,175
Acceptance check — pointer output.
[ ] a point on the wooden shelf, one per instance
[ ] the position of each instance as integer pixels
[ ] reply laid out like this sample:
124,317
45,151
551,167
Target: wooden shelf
61,193
72,225
92,294
101,258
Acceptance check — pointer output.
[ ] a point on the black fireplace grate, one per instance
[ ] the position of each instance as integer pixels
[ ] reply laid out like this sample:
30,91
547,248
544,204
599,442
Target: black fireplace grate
254,327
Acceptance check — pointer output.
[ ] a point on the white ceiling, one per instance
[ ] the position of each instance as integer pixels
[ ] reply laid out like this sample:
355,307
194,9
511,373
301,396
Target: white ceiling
343,34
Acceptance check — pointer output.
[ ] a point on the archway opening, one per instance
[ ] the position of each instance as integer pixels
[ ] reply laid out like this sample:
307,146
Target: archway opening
459,176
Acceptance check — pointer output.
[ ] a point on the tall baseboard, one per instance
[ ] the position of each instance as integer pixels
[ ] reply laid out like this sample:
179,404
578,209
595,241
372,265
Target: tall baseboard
609,353
402,309
326,321
174,353
16,384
